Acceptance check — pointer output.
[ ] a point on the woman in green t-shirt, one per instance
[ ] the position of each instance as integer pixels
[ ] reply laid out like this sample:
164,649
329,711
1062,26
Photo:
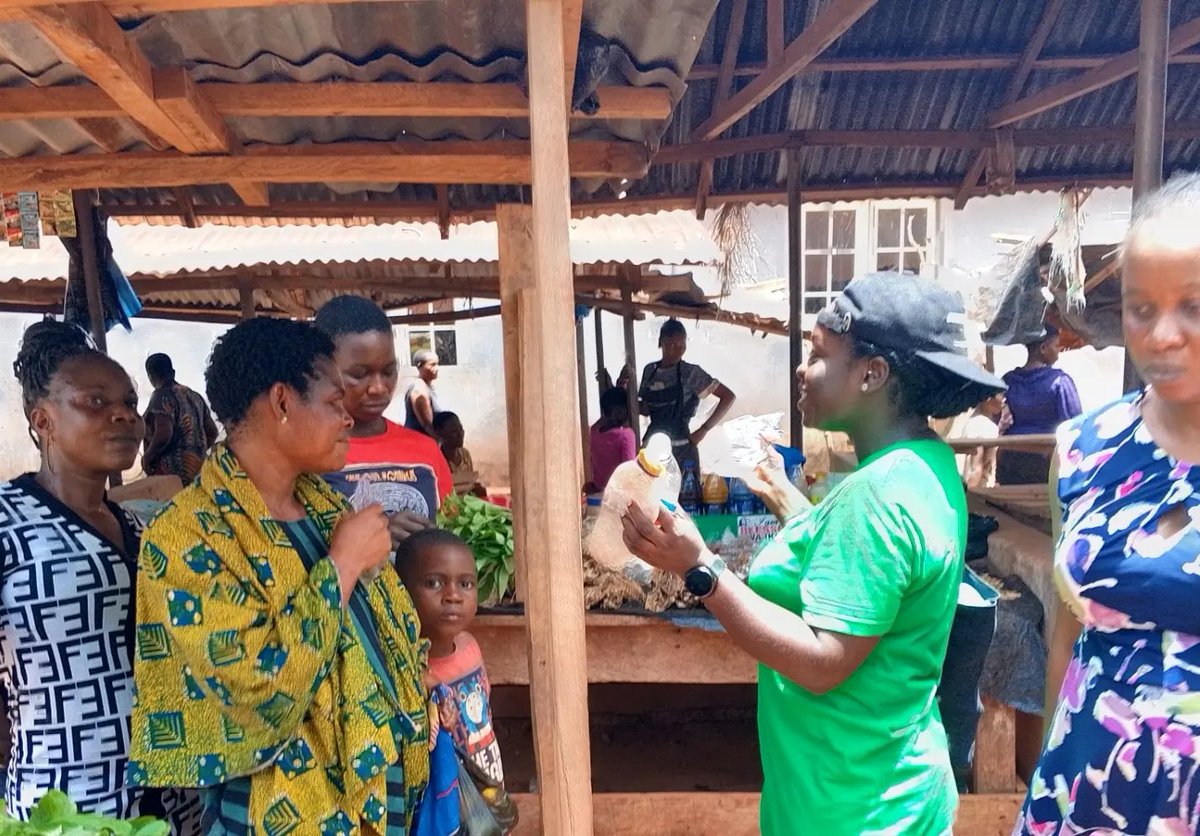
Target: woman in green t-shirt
848,608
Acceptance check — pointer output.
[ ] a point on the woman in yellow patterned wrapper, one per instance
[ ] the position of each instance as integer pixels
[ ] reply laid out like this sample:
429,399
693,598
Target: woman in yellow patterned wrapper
279,665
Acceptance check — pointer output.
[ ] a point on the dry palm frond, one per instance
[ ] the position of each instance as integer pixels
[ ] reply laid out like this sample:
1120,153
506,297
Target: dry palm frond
1066,260
741,250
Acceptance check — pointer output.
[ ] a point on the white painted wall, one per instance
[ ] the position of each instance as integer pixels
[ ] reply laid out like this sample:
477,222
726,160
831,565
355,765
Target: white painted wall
754,367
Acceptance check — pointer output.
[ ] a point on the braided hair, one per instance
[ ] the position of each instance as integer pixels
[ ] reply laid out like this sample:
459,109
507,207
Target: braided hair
44,348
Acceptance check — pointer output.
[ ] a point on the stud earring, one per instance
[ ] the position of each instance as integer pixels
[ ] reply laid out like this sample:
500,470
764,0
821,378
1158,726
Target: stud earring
866,386
283,420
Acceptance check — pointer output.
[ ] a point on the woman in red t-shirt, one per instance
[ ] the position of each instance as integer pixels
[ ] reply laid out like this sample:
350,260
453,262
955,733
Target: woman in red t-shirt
401,469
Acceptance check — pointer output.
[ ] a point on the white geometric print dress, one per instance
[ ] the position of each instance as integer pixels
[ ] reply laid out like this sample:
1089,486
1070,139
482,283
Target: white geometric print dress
65,672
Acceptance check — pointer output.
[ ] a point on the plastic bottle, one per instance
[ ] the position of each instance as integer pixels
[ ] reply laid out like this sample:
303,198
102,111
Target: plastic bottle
741,498
649,479
819,489
715,494
689,488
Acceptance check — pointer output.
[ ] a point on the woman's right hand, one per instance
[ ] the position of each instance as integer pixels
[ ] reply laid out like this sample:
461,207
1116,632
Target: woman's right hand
771,485
361,542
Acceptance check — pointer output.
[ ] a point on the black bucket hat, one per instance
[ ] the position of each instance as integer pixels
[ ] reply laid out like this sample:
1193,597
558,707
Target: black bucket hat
910,315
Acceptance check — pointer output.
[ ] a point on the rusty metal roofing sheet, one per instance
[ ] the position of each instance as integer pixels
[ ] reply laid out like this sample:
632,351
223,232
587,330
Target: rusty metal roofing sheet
927,100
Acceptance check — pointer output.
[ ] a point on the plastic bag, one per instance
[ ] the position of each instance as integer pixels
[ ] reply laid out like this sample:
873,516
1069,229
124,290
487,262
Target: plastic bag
487,808
739,446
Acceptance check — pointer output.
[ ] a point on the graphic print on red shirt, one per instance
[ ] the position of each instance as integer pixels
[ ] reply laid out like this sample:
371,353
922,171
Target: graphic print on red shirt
468,716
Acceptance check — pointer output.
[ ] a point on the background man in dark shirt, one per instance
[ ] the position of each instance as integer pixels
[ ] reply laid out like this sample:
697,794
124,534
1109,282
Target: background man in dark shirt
179,427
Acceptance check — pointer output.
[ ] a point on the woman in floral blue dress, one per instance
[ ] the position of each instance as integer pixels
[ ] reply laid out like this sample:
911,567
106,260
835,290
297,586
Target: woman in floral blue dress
1122,753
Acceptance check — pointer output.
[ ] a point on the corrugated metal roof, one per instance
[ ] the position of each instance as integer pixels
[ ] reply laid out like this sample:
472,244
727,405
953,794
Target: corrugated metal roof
450,40
928,100
660,40
159,250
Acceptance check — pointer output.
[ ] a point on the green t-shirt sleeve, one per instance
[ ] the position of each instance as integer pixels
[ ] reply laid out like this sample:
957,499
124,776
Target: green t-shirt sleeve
861,560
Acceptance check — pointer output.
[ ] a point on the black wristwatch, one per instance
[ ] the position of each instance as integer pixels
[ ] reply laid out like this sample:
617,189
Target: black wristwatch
701,581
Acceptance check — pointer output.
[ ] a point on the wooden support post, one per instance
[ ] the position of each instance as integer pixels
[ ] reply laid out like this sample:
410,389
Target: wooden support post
795,298
552,545
995,764
246,295
1149,116
631,389
599,351
585,463
85,214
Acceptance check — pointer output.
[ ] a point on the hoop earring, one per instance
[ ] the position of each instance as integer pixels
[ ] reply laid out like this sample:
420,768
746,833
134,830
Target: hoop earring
866,386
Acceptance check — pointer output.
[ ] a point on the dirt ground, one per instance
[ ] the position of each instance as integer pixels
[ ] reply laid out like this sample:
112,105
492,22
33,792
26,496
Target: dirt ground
648,738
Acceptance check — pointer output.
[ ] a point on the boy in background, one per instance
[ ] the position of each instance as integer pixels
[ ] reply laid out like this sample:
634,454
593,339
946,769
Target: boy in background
438,569
448,430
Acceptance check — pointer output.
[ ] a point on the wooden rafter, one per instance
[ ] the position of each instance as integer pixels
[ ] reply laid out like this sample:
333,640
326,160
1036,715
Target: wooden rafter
125,9
1122,66
724,86
86,36
1016,84
829,24
776,20
433,162
964,140
164,99
443,213
932,63
337,98
572,11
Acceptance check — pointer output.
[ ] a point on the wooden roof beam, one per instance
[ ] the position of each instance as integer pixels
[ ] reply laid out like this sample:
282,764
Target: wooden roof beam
336,98
733,41
443,210
1016,84
125,9
931,63
964,140
490,162
724,86
1182,37
830,23
776,20
165,99
86,36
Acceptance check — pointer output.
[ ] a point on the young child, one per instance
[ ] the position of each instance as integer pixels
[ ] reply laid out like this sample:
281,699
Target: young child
438,569
450,433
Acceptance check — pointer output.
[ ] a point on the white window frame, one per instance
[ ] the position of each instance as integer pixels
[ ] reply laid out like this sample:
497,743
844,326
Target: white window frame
866,238
431,330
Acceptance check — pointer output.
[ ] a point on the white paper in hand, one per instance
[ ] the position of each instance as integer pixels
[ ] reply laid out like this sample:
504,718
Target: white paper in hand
737,447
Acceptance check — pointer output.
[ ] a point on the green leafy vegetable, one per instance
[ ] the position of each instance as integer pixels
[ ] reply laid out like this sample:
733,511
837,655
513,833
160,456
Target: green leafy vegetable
488,530
57,815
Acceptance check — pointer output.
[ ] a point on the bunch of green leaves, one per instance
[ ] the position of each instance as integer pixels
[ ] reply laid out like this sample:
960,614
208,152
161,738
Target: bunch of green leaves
57,815
488,530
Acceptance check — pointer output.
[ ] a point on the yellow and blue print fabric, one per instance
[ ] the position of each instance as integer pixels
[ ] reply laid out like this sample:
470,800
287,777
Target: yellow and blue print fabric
248,665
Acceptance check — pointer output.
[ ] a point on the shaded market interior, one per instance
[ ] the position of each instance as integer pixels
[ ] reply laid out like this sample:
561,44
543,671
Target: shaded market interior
251,113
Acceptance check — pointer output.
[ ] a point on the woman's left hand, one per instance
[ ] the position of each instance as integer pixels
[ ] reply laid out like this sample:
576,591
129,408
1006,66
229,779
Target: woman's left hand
674,545
697,436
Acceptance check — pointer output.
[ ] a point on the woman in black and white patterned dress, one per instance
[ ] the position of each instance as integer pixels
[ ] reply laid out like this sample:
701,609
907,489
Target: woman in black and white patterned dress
67,568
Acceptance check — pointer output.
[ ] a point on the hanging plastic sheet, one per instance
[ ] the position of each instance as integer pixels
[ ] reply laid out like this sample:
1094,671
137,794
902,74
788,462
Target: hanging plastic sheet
1020,310
117,296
